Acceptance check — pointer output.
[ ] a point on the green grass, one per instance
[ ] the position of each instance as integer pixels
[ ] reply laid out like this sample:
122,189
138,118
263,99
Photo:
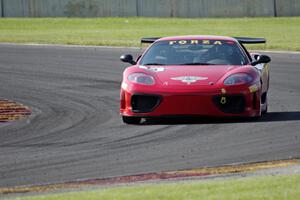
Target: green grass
285,187
282,33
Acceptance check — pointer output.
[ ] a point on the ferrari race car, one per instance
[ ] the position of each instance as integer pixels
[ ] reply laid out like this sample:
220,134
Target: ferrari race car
195,76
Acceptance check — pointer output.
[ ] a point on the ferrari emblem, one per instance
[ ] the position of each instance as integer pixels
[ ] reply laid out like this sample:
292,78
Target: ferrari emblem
189,79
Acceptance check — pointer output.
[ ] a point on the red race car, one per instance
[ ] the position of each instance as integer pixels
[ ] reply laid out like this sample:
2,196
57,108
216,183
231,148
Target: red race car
195,76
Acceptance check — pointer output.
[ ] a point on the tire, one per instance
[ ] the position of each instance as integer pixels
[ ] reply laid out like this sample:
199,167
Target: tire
257,117
265,111
131,120
266,108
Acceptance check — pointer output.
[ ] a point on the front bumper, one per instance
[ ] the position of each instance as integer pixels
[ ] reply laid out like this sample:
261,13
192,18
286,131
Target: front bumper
236,102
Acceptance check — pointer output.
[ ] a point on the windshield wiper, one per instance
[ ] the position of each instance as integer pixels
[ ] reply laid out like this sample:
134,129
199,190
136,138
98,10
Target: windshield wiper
197,64
153,64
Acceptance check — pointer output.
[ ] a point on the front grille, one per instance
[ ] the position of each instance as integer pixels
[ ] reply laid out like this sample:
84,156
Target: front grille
233,104
143,103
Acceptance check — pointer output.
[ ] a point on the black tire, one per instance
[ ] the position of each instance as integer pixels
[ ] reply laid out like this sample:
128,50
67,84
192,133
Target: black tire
131,120
265,111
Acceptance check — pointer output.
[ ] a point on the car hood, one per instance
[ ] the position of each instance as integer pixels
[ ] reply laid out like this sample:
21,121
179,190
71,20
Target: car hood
189,75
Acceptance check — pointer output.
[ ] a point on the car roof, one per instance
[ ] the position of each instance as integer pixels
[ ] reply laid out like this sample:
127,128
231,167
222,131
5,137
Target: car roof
197,37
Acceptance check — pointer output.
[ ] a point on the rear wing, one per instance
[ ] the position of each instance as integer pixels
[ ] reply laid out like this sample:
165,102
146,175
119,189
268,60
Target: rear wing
149,40
246,40
243,40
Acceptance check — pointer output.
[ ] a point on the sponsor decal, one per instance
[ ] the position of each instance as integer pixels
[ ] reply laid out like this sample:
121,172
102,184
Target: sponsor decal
152,69
189,79
207,42
124,85
253,88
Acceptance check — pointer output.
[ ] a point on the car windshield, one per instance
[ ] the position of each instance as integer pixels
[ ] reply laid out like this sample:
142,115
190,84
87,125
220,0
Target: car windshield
194,52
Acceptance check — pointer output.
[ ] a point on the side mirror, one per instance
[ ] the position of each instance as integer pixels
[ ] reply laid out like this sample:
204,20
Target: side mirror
261,59
128,59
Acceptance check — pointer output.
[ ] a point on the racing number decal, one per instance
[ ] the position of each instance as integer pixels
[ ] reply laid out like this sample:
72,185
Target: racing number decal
223,100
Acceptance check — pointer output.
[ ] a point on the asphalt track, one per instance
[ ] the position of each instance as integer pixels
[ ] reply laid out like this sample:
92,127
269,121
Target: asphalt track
75,131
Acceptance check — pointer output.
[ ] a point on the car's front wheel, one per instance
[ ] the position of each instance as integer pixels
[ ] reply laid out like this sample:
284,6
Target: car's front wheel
265,110
131,120
265,105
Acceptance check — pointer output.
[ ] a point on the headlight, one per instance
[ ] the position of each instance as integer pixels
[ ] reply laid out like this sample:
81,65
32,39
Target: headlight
141,78
238,79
